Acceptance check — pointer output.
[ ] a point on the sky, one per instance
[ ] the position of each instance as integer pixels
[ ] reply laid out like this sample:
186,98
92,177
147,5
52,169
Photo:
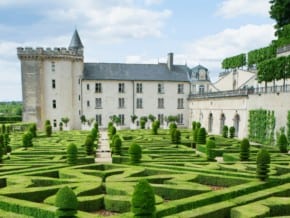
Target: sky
132,31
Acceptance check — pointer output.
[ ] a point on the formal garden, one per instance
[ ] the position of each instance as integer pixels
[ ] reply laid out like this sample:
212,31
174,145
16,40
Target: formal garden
155,173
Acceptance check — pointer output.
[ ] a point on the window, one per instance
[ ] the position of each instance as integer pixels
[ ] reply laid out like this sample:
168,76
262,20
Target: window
53,103
237,124
161,118
122,119
210,122
98,88
222,122
53,83
139,88
139,103
88,86
88,103
160,88
180,89
54,123
121,102
180,118
180,103
201,89
99,119
121,87
98,103
52,66
79,97
160,102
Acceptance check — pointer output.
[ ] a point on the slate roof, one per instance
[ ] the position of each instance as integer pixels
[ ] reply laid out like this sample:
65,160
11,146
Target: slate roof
197,68
138,72
76,42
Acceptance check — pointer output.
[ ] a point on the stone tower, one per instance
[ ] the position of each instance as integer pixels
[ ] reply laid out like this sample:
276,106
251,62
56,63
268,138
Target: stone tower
51,83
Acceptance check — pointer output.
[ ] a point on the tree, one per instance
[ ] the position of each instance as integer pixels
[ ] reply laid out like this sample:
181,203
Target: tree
33,130
143,200
60,126
1,153
282,143
135,153
65,120
177,137
155,126
83,119
48,128
210,154
142,124
117,146
72,154
201,136
151,117
66,202
263,162
245,150
89,144
232,132
134,118
280,11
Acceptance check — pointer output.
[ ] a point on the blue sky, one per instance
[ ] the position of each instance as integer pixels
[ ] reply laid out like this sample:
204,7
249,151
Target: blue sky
132,31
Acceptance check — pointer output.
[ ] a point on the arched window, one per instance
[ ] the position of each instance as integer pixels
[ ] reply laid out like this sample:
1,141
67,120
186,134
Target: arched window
222,122
201,89
237,124
210,122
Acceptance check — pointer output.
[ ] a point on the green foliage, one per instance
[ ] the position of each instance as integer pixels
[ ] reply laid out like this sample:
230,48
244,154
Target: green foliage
1,153
48,128
258,55
33,130
234,62
27,139
201,136
142,124
193,124
112,131
94,133
143,200
135,153
225,131
155,126
263,161
245,150
288,126
66,202
134,118
11,109
60,126
83,119
172,118
89,144
175,136
117,146
282,143
261,126
232,132
210,154
65,120
151,117
96,126
280,11
72,154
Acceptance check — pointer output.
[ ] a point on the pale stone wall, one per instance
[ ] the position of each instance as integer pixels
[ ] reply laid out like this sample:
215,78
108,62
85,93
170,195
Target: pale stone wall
110,96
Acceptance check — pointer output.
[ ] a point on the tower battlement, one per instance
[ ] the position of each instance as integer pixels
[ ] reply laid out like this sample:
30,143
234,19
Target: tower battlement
40,52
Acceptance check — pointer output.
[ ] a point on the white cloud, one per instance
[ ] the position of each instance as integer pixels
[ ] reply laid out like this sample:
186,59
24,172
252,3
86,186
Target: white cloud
211,50
153,2
234,8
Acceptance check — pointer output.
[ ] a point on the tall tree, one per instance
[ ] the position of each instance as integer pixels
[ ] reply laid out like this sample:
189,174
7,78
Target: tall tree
280,11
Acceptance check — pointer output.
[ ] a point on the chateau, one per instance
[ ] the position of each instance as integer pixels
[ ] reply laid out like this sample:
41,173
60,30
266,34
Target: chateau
57,83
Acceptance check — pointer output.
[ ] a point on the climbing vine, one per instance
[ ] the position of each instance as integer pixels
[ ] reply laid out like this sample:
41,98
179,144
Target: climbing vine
261,126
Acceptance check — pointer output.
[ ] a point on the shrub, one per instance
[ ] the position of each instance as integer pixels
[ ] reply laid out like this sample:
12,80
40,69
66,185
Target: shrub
66,202
72,154
142,124
135,153
48,130
33,130
47,122
96,126
27,140
151,117
112,131
172,128
282,143
263,161
225,131
94,133
143,200
201,136
155,126
117,146
193,124
176,137
210,145
244,150
89,144
1,153
198,125
60,126
232,132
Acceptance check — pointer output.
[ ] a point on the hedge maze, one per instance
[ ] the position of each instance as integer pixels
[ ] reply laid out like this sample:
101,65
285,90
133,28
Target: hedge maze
185,183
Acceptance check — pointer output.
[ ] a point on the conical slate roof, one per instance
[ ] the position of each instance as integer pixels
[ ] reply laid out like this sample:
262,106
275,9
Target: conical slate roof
76,42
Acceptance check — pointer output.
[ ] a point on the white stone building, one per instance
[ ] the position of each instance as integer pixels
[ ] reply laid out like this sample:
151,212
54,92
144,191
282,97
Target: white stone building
57,83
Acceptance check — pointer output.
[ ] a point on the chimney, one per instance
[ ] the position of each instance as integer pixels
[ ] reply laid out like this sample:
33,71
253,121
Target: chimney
170,61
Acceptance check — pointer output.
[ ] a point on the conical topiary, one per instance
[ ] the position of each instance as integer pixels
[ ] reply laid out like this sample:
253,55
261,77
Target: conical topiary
143,200
245,150
135,153
72,154
201,136
66,202
283,143
210,145
263,161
